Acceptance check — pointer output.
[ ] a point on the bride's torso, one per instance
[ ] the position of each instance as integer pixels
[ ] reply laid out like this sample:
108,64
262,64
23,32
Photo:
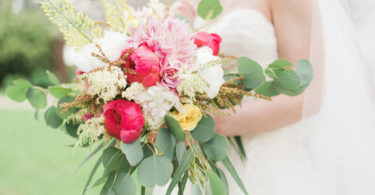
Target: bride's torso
276,163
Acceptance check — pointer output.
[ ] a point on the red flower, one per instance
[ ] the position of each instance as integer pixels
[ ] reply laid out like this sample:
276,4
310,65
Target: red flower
210,40
146,64
124,120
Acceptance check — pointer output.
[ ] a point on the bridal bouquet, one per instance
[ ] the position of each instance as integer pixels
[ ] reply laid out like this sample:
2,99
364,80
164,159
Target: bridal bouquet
145,88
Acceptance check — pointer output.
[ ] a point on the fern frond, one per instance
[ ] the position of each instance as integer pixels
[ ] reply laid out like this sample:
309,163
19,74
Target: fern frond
118,14
77,28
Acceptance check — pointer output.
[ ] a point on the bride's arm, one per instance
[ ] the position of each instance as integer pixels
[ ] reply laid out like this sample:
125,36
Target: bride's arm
292,21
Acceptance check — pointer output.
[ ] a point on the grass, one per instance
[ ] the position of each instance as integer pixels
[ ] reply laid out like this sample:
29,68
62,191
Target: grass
36,160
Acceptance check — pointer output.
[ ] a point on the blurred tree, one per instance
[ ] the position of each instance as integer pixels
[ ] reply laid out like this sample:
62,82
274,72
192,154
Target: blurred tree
26,42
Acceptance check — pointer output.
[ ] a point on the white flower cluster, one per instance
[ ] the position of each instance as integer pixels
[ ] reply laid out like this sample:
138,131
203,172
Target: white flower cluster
156,101
205,77
90,131
107,84
112,44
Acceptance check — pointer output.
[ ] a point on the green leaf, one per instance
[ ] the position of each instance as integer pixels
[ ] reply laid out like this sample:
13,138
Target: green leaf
267,89
107,188
216,149
52,78
228,165
180,151
59,92
180,170
217,186
37,98
98,182
92,173
66,99
23,84
274,69
124,184
204,130
196,189
223,179
71,129
16,93
209,9
154,170
182,183
175,127
287,83
166,143
133,152
111,159
305,72
51,117
90,156
252,72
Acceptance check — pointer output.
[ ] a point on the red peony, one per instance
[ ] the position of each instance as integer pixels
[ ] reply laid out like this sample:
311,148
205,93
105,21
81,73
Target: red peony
210,40
146,64
124,120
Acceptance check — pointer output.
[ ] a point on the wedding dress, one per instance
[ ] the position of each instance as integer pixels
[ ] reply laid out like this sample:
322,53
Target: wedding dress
331,152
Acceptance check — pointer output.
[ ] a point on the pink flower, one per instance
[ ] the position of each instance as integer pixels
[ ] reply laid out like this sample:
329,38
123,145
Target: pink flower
87,117
146,64
171,39
210,40
124,120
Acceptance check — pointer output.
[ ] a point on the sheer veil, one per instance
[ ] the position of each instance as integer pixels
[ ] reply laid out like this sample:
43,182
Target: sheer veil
339,112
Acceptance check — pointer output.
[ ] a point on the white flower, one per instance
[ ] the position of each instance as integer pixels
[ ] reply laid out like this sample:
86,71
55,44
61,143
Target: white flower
133,91
90,131
190,83
107,84
113,44
210,70
156,101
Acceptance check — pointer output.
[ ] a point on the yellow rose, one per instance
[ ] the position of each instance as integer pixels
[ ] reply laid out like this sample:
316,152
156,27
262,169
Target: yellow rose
190,118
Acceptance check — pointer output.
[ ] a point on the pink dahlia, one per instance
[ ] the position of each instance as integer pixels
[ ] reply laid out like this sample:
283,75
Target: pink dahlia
171,39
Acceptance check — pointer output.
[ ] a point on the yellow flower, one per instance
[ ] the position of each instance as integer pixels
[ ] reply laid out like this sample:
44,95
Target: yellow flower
190,118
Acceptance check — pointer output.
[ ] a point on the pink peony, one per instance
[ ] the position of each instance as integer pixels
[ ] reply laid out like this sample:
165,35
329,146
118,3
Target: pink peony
124,120
146,64
171,39
210,40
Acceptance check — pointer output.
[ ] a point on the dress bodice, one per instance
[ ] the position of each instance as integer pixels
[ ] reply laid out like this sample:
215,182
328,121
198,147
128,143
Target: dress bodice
246,32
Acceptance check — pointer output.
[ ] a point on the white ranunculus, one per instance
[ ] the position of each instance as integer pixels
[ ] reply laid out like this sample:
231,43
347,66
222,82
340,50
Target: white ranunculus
113,44
213,74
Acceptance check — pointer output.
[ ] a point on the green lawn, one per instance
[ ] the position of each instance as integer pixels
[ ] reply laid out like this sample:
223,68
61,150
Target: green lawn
35,159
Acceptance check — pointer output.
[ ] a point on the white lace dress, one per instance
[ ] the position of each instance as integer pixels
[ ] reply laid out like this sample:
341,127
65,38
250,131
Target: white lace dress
275,162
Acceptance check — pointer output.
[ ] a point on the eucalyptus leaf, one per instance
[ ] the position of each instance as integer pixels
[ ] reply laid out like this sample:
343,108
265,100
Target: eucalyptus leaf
305,72
133,152
251,71
223,179
180,170
124,184
52,78
180,151
175,127
287,83
112,157
97,149
209,9
16,93
23,84
166,143
267,89
66,99
274,69
154,170
216,148
204,130
59,92
51,117
216,185
72,129
37,98
229,166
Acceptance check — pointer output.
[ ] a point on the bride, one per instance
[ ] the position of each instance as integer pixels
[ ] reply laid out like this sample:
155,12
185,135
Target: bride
286,155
